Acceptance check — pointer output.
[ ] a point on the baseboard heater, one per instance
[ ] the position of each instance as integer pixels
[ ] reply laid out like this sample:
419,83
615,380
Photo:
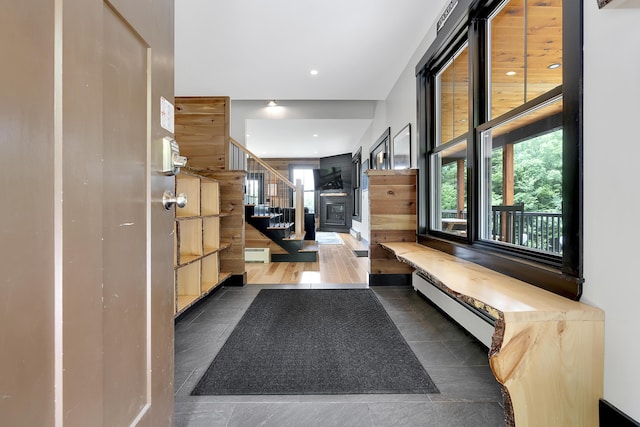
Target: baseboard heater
479,323
257,255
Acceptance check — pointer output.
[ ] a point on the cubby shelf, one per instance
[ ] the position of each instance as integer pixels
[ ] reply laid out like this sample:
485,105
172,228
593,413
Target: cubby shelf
197,240
189,240
189,185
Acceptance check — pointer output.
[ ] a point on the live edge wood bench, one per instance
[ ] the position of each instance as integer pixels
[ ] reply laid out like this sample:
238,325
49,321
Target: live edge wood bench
547,351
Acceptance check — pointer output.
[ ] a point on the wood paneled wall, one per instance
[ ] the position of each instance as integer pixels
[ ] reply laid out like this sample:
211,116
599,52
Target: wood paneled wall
202,131
282,164
393,218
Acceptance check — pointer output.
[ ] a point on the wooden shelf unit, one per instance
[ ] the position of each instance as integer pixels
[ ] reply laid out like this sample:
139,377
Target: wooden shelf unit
197,240
202,129
231,216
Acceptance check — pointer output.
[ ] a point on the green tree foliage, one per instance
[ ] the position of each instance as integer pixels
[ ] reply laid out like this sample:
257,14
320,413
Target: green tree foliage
496,176
449,191
537,173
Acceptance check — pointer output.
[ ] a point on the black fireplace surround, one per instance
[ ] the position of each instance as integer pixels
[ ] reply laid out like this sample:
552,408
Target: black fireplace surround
335,205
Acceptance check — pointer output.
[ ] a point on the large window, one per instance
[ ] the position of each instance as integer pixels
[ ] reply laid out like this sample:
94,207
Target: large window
305,174
448,155
522,180
254,193
525,42
499,122
519,137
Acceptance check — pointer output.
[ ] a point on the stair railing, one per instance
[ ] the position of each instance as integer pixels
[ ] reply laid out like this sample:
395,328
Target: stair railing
268,190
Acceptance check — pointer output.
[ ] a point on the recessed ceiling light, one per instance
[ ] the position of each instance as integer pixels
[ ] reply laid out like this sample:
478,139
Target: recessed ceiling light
313,72
247,135
272,103
554,66
315,135
511,73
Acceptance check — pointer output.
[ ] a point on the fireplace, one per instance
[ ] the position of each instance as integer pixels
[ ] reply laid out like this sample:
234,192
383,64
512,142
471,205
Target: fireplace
334,212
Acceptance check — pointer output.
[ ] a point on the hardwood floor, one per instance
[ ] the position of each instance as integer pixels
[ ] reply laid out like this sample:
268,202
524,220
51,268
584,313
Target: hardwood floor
337,264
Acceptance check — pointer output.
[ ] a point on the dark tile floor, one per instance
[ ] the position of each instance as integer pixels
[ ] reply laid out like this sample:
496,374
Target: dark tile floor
456,361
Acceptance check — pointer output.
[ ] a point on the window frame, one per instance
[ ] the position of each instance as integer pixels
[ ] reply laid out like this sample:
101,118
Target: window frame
381,146
469,21
523,252
356,185
461,42
303,166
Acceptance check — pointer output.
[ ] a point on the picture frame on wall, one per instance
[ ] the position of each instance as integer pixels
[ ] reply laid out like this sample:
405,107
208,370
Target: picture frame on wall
401,149
379,155
365,179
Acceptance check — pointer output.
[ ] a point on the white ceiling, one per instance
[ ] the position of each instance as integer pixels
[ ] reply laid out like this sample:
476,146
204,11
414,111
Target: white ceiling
260,50
303,137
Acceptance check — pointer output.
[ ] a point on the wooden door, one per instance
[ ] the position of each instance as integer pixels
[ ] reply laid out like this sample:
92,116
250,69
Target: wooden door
86,317
138,276
126,305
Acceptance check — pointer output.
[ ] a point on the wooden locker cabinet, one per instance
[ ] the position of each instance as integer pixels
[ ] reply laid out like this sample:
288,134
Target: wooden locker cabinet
197,240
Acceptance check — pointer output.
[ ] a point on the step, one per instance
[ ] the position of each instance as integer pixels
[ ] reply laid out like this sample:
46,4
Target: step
295,257
269,216
293,236
281,226
309,246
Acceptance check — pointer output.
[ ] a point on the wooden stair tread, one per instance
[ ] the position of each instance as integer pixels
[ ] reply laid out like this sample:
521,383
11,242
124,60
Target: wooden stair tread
294,236
269,216
280,226
309,246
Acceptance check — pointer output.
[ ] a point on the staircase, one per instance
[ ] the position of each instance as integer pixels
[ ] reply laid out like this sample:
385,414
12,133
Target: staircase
274,209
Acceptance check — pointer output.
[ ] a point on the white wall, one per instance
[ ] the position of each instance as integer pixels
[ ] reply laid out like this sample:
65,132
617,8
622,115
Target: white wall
396,111
611,157
363,225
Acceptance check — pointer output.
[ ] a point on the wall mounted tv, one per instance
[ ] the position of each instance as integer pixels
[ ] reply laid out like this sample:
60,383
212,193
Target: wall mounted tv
328,179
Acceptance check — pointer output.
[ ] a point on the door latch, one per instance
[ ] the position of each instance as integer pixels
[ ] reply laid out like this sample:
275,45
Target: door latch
172,161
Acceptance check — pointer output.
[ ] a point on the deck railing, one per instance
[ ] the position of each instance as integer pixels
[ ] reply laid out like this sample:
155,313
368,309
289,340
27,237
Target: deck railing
540,231
543,231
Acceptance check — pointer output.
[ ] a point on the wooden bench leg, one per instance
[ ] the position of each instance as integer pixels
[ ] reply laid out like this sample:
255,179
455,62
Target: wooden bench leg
550,370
